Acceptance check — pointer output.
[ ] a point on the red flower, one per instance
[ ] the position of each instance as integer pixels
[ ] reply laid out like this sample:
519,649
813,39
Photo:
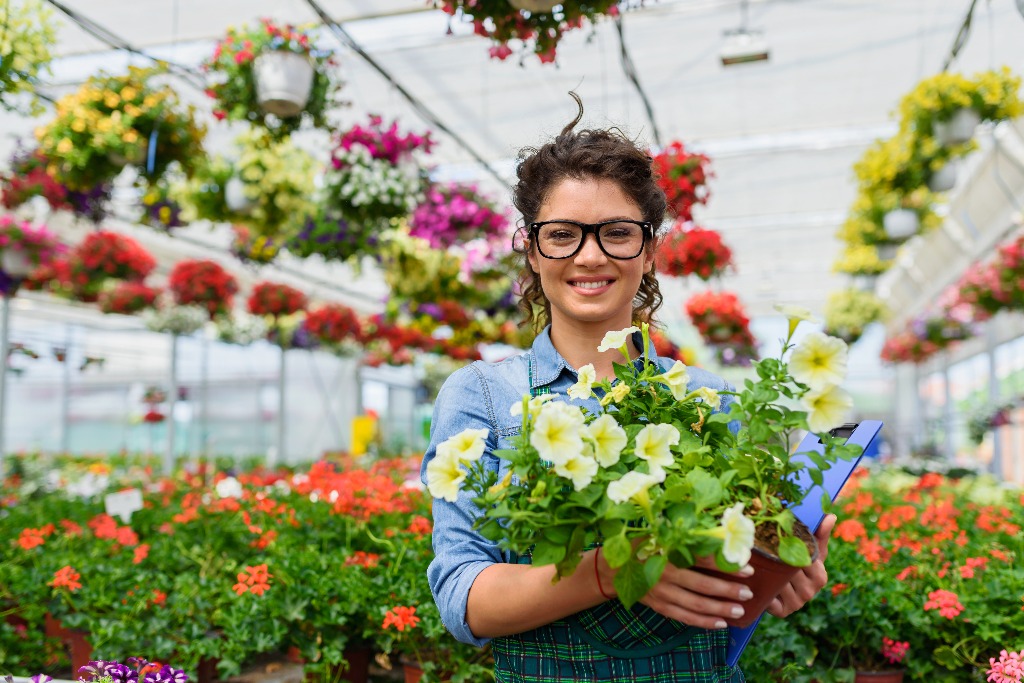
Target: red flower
30,538
66,577
274,299
946,602
202,282
141,552
401,618
850,530
723,323
255,580
693,251
362,558
104,255
683,177
333,323
127,298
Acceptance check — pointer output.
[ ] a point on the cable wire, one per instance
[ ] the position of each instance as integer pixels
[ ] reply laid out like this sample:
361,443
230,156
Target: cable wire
630,70
961,36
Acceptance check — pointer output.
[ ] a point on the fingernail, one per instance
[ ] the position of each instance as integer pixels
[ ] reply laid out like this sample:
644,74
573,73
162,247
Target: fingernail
721,624
746,594
737,612
747,571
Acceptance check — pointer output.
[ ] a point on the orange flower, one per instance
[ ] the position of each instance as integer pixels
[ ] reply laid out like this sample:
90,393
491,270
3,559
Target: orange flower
420,526
141,553
849,530
361,558
401,618
839,588
907,572
71,528
66,577
256,580
30,538
159,597
872,550
946,602
125,536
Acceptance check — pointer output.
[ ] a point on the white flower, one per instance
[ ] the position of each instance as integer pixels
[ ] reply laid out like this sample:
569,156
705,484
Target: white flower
710,396
584,383
466,446
797,313
534,405
676,380
819,361
580,469
444,476
617,393
608,438
632,485
826,408
229,487
653,444
738,536
557,432
616,339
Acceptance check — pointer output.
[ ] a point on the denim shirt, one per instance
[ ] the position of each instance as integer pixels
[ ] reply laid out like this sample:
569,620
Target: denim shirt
480,395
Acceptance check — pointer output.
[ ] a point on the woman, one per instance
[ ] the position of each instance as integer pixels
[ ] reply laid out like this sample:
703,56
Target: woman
590,205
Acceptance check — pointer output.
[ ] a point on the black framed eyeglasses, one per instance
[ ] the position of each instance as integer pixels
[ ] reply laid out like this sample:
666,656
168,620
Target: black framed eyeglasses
619,239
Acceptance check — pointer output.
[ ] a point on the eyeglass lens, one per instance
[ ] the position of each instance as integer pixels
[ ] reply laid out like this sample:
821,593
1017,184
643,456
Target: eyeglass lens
623,240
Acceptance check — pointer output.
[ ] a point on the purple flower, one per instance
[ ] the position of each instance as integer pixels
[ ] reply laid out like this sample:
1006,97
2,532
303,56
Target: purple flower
38,678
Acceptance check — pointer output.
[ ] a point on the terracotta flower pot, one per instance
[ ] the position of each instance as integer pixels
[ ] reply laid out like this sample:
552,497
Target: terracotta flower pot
879,676
770,576
413,673
357,670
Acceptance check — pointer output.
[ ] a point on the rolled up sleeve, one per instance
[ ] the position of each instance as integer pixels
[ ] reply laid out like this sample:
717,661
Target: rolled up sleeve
460,553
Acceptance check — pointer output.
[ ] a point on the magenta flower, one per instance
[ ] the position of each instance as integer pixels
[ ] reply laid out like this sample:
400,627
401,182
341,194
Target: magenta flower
1009,668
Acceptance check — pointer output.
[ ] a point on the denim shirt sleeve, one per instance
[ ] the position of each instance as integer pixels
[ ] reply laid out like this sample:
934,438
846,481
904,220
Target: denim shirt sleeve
460,553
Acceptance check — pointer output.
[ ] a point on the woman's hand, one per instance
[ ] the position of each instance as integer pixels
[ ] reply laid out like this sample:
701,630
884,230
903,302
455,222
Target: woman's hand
809,580
691,597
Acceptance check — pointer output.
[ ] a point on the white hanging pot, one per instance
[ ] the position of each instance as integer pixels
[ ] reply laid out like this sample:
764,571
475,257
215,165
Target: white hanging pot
886,250
901,224
865,282
283,82
535,6
16,263
959,128
944,179
236,198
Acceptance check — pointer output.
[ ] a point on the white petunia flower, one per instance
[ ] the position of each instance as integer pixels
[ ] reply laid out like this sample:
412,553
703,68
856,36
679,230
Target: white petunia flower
557,432
826,408
585,380
608,438
580,469
467,445
632,486
533,406
445,475
819,361
676,380
616,339
616,394
738,537
654,443
710,396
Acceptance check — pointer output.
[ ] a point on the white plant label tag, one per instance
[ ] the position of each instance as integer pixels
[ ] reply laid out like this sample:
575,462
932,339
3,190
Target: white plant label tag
123,503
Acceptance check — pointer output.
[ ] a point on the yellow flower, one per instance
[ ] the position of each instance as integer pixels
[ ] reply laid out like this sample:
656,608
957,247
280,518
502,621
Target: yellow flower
65,146
654,442
710,397
584,382
130,136
676,380
578,468
78,125
444,476
826,408
532,406
608,439
111,100
617,393
557,432
819,361
632,486
737,534
129,93
795,315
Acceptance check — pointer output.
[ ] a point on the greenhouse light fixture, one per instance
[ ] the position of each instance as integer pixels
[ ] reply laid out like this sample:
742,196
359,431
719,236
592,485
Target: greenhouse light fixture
743,45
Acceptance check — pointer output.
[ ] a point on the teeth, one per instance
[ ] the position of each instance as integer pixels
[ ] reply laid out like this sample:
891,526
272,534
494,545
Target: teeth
592,285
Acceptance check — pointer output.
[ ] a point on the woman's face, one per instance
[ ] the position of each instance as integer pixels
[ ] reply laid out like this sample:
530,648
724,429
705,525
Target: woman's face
590,289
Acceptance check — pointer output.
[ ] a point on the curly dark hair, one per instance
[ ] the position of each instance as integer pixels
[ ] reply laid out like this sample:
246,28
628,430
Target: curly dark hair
584,154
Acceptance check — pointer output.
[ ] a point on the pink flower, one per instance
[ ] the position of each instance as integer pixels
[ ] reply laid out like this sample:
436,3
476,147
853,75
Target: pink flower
947,602
1009,668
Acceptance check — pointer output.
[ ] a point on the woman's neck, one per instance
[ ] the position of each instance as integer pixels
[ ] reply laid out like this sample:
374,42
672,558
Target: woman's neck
578,346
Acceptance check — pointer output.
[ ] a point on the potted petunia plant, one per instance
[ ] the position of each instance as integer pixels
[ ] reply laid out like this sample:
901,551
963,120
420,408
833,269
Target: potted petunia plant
25,53
656,474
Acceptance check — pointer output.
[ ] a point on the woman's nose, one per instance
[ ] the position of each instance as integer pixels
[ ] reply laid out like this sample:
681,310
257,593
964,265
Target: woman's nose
590,252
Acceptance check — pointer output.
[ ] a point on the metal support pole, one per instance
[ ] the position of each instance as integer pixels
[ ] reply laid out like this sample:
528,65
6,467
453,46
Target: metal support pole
282,456
993,399
5,343
172,400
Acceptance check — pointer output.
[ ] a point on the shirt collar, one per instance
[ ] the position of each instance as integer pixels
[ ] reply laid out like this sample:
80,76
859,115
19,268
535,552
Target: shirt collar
548,363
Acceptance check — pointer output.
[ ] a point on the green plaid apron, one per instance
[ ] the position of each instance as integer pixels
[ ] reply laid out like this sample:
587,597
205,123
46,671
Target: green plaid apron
612,644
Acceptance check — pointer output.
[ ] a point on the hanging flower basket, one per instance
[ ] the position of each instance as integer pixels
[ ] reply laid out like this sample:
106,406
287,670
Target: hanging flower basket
724,325
29,36
177,320
258,249
24,248
203,283
30,177
272,76
236,196
959,128
944,179
683,177
335,239
128,298
456,214
901,224
104,256
275,300
692,250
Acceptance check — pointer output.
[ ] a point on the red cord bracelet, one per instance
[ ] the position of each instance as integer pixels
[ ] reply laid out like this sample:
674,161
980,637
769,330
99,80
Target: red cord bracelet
598,576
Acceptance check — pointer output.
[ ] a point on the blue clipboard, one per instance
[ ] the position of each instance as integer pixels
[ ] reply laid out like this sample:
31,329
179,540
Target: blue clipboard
809,511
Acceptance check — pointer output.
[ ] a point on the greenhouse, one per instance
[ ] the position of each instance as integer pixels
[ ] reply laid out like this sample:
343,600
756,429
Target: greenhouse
313,372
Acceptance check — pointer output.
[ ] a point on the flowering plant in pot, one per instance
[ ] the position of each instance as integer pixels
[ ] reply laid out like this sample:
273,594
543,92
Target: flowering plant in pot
538,25
24,247
455,214
859,259
128,298
241,328
655,473
849,311
103,256
693,250
114,121
249,248
273,299
724,325
907,347
982,288
683,176
1009,268
336,239
992,95
234,87
25,53
202,282
334,325
159,208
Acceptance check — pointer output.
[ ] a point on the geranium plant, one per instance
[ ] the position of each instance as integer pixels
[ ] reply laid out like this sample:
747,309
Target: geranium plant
26,43
683,176
114,121
656,474
693,250
128,298
539,31
455,214
105,255
274,299
31,245
203,282
234,88
723,323
334,325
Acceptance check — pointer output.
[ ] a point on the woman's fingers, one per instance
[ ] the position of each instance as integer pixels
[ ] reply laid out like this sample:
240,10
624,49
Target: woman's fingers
697,599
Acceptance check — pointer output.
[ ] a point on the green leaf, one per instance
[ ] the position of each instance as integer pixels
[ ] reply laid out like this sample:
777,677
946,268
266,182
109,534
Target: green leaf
653,568
793,552
631,583
706,489
617,551
546,552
